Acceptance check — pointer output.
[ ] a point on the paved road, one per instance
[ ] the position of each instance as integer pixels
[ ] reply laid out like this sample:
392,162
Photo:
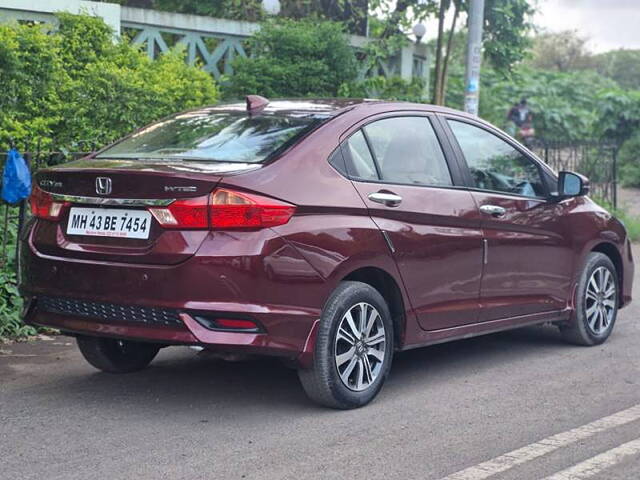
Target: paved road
517,405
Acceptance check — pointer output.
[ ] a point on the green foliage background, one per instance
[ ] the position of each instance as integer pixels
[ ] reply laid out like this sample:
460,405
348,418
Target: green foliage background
10,300
294,59
78,84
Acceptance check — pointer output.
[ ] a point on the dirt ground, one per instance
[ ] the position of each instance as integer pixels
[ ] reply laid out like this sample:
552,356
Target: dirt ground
630,199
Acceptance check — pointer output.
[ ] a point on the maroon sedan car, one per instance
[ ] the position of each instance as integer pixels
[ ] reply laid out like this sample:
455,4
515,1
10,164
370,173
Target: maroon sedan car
328,233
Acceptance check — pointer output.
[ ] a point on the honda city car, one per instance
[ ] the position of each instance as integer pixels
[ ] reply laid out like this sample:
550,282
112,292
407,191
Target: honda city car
328,233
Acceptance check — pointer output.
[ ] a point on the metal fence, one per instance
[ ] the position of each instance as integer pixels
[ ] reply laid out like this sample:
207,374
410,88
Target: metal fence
595,160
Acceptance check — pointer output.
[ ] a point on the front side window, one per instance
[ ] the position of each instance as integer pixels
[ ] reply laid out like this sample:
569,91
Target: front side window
209,135
407,151
494,164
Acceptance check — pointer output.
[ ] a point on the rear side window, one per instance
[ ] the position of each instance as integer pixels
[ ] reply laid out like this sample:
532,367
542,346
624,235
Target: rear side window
362,165
407,151
207,135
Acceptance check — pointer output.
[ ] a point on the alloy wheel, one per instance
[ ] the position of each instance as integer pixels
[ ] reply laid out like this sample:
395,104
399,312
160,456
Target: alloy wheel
360,346
600,300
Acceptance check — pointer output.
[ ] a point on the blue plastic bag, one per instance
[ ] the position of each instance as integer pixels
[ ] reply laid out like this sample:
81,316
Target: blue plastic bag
16,178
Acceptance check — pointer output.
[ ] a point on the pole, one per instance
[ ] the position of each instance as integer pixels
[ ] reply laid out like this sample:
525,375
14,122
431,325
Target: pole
474,57
614,175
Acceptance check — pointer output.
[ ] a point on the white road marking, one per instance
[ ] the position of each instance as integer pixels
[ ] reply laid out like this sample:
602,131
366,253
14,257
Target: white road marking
547,445
597,464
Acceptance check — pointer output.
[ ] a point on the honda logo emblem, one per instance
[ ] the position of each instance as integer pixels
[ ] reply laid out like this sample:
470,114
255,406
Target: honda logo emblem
103,185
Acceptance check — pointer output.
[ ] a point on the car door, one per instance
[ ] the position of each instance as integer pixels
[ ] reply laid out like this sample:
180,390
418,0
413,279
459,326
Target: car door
432,225
528,259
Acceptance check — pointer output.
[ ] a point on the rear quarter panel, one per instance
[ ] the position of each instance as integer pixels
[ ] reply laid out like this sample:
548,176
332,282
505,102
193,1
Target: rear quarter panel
332,229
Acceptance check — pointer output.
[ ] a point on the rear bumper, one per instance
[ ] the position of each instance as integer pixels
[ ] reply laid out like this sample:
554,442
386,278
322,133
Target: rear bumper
190,333
282,295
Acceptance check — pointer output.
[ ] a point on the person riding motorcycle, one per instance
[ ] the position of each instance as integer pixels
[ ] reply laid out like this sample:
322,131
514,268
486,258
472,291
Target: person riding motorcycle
520,122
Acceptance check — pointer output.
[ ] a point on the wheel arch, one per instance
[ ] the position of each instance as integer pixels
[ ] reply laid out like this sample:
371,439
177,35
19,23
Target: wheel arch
611,251
388,287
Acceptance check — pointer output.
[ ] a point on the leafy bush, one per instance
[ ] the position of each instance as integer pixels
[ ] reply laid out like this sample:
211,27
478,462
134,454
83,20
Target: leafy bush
249,10
78,84
31,69
388,88
564,104
629,160
294,59
10,301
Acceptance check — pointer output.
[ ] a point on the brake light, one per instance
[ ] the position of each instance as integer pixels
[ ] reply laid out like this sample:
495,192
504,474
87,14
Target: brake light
224,209
43,206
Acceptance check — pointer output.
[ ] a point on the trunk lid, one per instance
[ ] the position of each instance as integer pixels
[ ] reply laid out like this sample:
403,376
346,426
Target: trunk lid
131,185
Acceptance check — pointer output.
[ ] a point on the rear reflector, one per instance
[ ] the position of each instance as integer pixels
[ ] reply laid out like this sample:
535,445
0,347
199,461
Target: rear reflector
224,209
235,323
241,325
43,206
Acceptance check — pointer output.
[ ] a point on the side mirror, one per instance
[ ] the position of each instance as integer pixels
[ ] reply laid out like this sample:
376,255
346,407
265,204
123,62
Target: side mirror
572,184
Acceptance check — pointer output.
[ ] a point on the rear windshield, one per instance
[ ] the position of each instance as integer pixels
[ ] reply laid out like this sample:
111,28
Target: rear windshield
215,136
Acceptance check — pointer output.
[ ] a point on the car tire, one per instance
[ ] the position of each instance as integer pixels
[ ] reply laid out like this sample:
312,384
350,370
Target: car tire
116,356
351,358
596,305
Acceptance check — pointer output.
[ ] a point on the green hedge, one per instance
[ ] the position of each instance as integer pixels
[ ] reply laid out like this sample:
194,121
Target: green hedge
77,84
289,58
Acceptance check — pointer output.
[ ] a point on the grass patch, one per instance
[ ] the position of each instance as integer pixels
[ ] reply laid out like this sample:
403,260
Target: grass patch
631,222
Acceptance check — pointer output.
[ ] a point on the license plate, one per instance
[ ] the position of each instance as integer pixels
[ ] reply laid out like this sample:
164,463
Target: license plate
109,222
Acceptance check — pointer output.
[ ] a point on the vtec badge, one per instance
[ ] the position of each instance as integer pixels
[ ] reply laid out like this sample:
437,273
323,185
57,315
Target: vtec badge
178,188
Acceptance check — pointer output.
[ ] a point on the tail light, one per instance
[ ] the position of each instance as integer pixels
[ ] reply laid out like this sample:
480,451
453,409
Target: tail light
43,206
231,209
224,209
187,213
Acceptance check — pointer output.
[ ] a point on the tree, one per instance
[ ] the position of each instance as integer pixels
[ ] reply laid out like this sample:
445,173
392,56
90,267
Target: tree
352,13
249,10
562,51
623,66
507,24
294,58
443,58
618,114
505,40
566,106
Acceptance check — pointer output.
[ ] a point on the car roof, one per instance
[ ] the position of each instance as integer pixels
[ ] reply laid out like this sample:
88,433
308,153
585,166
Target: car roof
329,107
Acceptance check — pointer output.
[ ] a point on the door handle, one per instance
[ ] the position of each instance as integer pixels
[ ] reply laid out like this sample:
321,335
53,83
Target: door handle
386,198
493,210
